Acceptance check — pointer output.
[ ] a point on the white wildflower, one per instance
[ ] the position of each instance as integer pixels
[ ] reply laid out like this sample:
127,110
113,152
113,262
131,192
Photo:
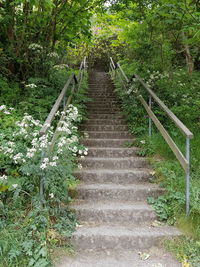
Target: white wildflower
15,185
3,177
2,107
7,112
35,47
80,166
43,166
51,195
53,164
31,85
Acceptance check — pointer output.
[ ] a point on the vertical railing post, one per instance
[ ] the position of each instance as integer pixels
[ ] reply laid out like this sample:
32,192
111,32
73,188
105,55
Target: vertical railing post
64,101
42,179
187,177
150,121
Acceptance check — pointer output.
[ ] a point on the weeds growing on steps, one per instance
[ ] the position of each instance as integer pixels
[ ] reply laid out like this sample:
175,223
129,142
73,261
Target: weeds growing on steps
167,172
30,230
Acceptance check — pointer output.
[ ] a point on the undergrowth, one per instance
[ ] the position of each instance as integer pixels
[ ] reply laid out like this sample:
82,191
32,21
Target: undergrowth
167,172
32,228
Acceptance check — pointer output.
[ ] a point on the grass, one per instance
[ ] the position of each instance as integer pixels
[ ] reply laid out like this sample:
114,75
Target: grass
171,206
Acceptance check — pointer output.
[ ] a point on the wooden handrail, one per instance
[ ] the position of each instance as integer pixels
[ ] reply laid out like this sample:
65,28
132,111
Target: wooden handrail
55,107
72,78
184,160
173,117
165,135
113,64
124,75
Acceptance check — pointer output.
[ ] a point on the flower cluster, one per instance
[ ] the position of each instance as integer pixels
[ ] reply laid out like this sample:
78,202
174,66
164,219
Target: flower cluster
154,76
132,89
27,146
31,85
46,163
3,177
27,132
6,110
68,131
61,66
53,55
35,47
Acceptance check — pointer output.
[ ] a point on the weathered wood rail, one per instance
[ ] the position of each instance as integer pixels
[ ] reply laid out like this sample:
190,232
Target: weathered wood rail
117,71
73,84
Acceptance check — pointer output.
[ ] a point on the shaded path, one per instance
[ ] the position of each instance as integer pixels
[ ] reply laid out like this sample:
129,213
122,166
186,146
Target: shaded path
116,221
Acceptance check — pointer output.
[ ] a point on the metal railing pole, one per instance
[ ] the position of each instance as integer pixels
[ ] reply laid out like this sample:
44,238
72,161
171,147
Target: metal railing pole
42,179
64,101
187,177
150,121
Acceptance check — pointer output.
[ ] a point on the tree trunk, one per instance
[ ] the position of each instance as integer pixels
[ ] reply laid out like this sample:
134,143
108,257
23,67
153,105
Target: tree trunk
188,56
10,32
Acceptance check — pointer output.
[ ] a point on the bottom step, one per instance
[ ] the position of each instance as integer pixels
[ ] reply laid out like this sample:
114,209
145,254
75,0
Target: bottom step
120,237
157,258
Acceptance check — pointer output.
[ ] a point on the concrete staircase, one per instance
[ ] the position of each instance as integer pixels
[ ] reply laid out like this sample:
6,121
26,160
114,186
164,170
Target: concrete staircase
115,220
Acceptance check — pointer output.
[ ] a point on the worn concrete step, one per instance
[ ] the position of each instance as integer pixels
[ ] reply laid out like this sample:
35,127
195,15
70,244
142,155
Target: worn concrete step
109,134
102,95
97,91
126,176
105,116
120,258
105,122
112,152
104,109
101,99
117,192
114,212
111,112
113,163
99,142
103,104
120,237
106,104
102,128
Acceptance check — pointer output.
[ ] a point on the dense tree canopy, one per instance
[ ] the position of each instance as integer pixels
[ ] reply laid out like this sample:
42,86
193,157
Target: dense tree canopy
42,42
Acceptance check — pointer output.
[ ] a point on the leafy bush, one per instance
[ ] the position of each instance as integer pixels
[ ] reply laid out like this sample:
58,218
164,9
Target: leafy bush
36,175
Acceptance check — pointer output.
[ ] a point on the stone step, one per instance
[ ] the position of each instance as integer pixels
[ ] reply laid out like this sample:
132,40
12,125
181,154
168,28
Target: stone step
114,212
120,237
104,111
117,192
113,163
102,128
109,134
94,142
106,104
100,109
102,95
97,91
120,258
105,116
127,176
112,152
101,101
104,122
106,98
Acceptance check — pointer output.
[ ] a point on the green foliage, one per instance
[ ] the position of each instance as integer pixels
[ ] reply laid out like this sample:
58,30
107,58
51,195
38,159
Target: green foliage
177,89
31,226
185,249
